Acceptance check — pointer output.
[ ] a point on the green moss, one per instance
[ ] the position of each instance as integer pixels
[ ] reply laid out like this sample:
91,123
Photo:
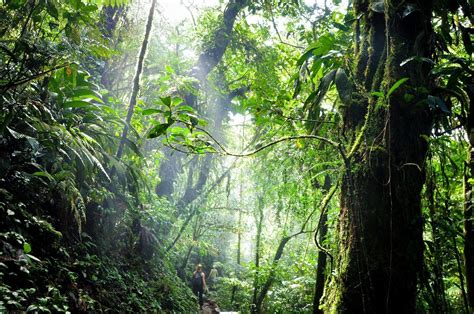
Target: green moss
334,291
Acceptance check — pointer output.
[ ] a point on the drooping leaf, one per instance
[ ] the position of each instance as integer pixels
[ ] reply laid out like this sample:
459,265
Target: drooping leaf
436,102
44,174
17,135
82,93
297,87
316,97
344,86
409,9
396,85
158,130
133,147
52,9
305,56
418,59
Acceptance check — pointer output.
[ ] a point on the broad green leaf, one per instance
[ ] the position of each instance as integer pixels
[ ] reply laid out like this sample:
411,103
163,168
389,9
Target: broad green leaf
26,248
186,108
308,54
151,111
176,101
81,93
158,130
166,101
78,104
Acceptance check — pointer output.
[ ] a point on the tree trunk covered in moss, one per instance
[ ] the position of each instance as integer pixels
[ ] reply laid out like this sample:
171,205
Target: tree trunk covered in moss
380,228
322,257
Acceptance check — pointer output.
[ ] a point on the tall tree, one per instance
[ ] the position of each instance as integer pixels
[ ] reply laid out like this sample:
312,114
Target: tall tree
207,61
380,237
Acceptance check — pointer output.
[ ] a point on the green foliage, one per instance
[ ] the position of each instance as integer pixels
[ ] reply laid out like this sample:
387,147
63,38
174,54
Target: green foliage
82,231
70,206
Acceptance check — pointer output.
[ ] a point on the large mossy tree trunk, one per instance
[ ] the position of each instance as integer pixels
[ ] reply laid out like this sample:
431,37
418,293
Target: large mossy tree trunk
380,227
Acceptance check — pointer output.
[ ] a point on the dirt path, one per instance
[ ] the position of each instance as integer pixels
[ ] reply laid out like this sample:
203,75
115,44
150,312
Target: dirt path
211,307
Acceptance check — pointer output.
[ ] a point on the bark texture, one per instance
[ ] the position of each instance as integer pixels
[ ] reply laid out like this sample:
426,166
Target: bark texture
322,257
380,228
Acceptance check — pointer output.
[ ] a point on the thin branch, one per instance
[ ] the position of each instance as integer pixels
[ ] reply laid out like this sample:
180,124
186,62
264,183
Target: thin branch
307,120
8,86
188,8
224,151
278,33
196,209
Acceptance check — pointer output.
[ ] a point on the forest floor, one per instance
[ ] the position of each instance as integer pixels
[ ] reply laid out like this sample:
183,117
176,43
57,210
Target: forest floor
211,307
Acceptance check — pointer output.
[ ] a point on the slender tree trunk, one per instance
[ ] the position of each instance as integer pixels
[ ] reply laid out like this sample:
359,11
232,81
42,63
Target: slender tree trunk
458,256
239,227
439,295
239,241
136,79
281,247
271,276
195,210
380,231
259,224
195,238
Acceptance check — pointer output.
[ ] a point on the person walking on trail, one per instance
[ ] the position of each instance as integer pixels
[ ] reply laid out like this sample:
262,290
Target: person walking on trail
199,284
212,277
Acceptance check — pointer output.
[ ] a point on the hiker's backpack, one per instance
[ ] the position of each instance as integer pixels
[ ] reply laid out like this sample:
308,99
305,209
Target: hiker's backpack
197,280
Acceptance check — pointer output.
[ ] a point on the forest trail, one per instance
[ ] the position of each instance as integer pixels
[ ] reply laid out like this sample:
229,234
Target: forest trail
211,307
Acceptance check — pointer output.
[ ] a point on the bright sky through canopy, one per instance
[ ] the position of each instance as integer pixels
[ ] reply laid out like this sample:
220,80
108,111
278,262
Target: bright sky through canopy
178,10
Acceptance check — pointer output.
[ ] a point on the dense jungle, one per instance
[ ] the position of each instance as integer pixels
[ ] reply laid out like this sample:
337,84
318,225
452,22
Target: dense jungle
243,156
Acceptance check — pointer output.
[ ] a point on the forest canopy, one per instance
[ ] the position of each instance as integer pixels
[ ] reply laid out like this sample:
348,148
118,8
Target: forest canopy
296,156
